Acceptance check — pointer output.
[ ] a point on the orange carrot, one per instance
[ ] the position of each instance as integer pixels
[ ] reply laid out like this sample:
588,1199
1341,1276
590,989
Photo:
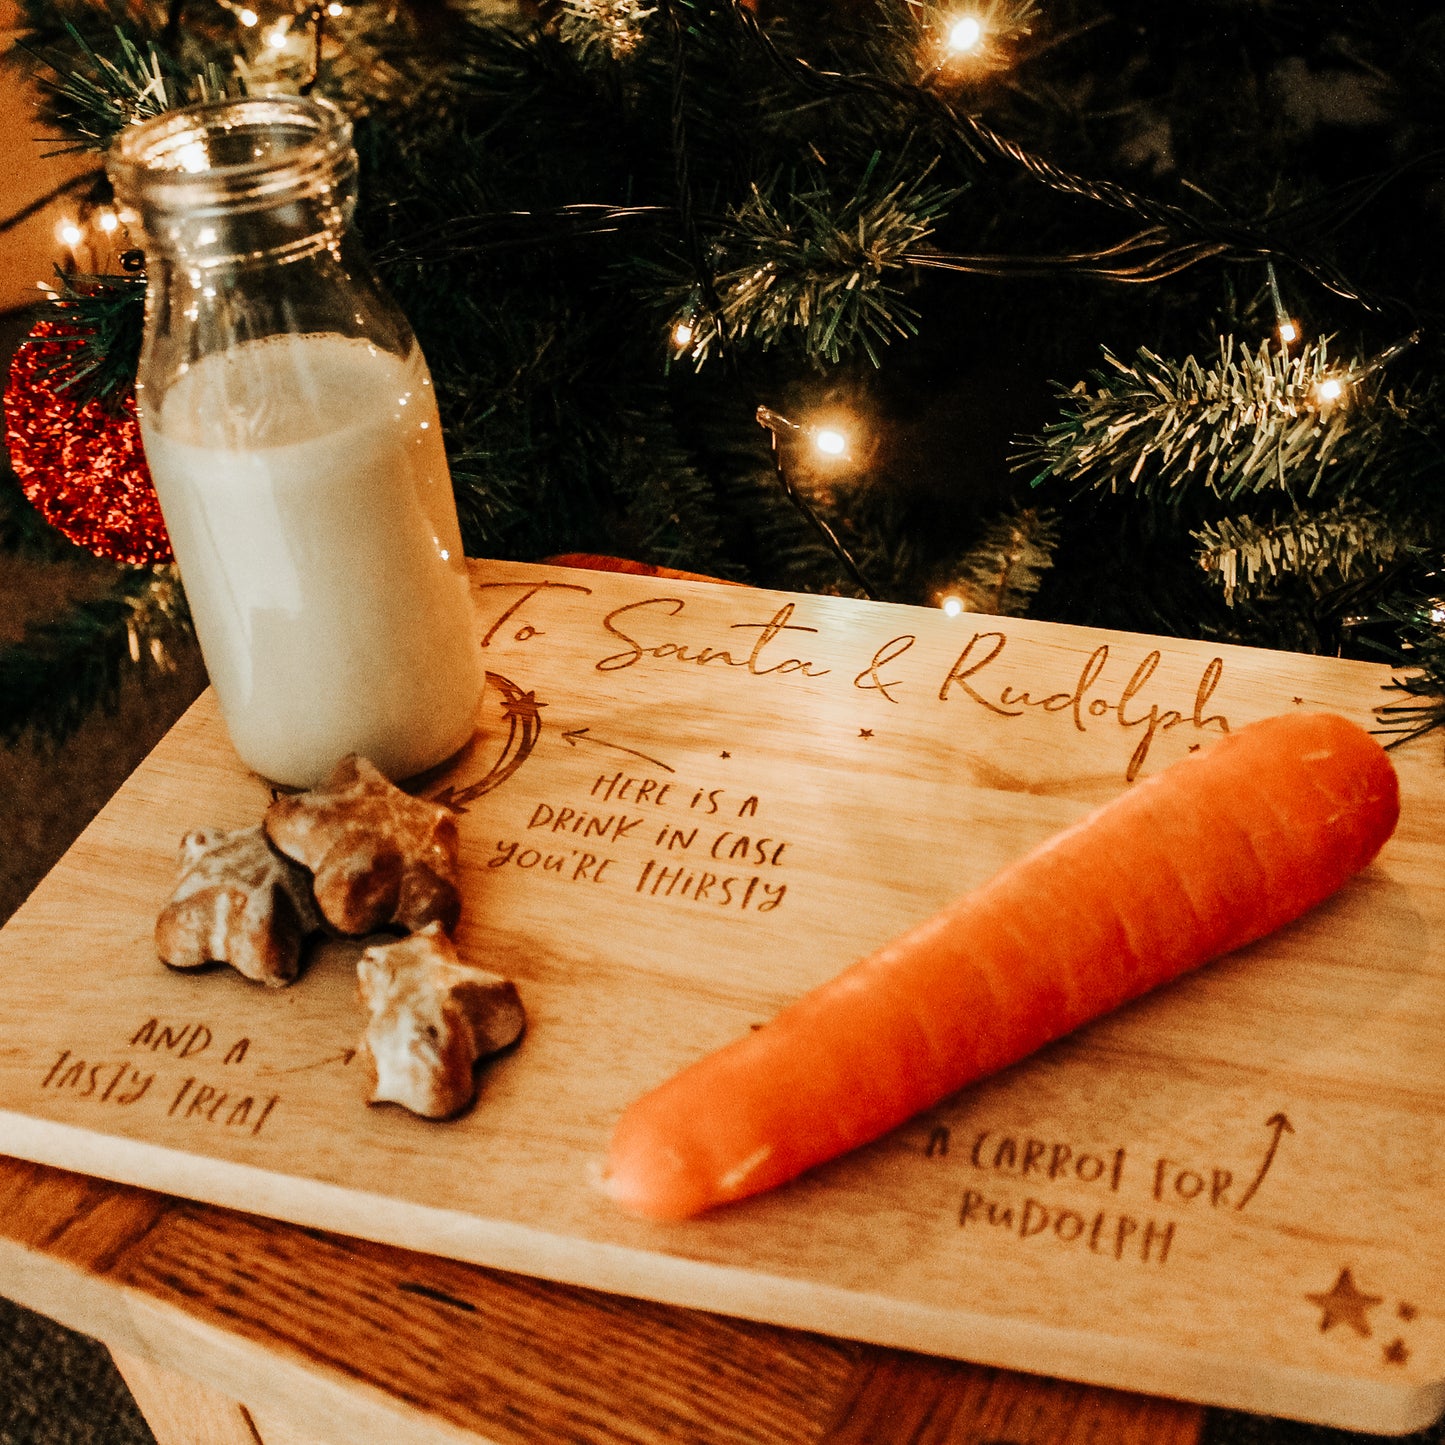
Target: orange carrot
1218,850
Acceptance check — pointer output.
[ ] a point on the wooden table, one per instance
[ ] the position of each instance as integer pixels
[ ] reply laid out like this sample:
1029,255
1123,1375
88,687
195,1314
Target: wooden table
232,1329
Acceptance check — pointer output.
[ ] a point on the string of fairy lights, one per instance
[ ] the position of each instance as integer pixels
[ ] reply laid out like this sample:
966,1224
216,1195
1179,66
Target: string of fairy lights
980,38
954,46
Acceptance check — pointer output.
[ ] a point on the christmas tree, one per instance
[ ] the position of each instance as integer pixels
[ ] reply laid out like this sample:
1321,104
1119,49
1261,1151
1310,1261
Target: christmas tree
1119,314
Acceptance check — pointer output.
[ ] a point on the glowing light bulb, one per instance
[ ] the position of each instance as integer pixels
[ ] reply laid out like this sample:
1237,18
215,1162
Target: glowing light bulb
830,442
71,234
107,221
682,334
276,35
1288,331
952,606
965,35
334,9
1330,389
249,18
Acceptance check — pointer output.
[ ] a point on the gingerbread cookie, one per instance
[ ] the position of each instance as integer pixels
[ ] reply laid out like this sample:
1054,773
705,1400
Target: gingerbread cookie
379,856
432,1017
237,901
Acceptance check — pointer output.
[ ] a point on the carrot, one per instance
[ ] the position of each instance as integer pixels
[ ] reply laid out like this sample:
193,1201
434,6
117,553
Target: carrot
1217,851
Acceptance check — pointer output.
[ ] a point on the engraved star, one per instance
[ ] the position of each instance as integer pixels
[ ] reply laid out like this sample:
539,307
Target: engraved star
724,754
1396,1352
1345,1303
1296,700
1194,747
524,706
865,732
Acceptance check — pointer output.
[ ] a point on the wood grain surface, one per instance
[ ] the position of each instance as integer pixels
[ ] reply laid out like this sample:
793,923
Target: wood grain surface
232,1329
685,805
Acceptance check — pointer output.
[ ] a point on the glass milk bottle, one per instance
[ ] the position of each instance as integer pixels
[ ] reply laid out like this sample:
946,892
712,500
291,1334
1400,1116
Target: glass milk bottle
291,429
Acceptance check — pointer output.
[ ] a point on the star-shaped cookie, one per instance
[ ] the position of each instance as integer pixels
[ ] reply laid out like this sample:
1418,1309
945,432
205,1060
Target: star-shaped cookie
431,1017
237,901
379,856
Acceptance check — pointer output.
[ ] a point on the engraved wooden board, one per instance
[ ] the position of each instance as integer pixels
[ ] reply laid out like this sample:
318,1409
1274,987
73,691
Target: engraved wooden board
685,805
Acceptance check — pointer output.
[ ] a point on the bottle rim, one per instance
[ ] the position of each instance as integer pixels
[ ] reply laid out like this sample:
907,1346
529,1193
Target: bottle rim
165,164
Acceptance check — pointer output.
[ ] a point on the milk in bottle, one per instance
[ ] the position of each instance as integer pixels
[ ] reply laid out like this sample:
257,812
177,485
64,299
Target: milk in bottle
321,559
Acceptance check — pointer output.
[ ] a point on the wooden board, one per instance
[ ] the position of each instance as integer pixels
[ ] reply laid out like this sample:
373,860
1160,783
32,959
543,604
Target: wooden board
1226,1192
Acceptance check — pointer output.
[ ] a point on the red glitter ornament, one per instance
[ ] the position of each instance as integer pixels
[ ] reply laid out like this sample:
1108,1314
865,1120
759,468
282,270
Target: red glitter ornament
80,463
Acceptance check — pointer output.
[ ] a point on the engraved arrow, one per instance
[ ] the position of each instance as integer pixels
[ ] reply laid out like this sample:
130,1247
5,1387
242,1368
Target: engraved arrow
581,735
343,1058
1280,1125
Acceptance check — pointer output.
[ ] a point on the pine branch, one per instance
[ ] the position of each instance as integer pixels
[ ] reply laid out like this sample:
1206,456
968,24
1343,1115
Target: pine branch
113,63
1330,548
62,670
1421,632
963,132
95,96
1254,420
107,314
604,28
828,271
1002,571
